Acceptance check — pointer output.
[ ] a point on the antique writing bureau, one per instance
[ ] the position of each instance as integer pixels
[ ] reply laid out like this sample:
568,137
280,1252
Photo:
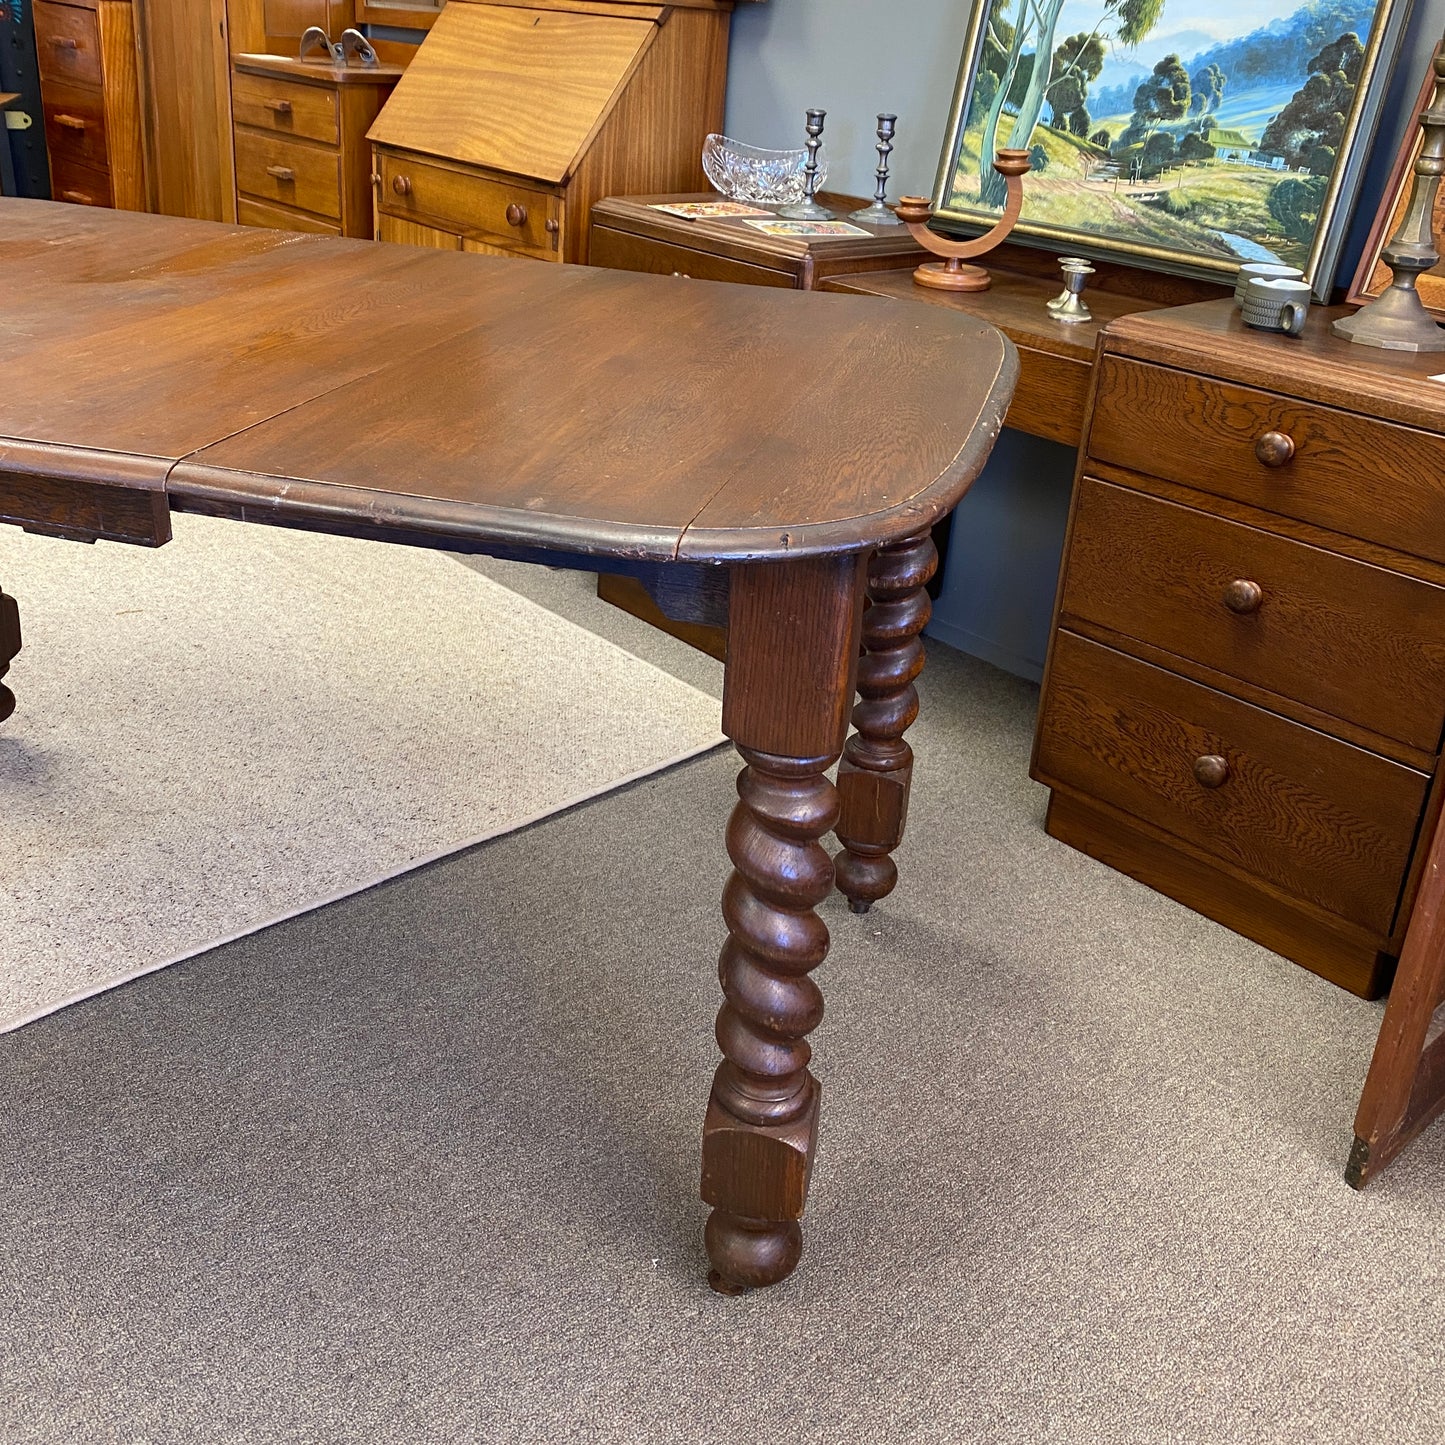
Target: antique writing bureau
514,118
1245,689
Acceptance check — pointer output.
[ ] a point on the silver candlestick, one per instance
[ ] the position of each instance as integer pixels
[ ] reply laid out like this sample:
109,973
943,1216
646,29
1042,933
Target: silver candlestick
880,213
1070,307
808,209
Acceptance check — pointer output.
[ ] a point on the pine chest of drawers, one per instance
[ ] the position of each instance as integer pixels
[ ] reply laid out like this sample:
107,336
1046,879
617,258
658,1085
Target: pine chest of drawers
303,162
90,92
1245,692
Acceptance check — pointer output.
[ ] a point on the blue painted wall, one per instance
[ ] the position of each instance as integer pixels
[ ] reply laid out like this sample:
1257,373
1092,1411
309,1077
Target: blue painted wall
857,57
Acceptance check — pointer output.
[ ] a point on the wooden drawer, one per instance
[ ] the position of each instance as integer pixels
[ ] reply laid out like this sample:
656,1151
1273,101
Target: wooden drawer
271,168
1322,820
506,213
75,125
287,107
67,42
79,184
413,233
1341,636
1352,474
261,213
623,252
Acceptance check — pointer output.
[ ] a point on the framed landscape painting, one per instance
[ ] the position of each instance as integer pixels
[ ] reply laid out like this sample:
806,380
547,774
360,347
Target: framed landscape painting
1189,138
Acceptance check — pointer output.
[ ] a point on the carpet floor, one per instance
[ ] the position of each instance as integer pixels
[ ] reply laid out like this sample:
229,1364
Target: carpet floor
251,722
422,1166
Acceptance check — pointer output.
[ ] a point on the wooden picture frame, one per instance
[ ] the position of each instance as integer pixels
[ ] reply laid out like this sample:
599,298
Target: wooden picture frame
1372,276
1246,144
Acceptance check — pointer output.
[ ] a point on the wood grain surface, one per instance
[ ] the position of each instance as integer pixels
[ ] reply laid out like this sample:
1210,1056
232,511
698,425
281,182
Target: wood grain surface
303,377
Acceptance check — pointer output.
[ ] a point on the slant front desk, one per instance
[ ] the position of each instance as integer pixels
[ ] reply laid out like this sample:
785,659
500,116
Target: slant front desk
797,447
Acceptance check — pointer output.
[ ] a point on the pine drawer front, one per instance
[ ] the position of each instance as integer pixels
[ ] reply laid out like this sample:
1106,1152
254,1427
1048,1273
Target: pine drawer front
67,43
1338,635
508,214
621,252
1318,818
279,218
292,173
79,184
287,107
1351,474
75,125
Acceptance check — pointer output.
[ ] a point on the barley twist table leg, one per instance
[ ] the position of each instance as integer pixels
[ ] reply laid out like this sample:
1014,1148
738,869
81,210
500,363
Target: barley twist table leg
877,768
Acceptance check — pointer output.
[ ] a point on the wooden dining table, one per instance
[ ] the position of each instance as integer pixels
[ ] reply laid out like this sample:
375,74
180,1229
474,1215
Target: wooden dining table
785,452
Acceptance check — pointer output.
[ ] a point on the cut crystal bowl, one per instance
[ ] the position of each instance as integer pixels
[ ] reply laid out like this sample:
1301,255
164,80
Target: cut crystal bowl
766,178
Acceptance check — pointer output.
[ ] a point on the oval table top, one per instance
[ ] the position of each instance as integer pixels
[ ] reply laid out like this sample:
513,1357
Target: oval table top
325,381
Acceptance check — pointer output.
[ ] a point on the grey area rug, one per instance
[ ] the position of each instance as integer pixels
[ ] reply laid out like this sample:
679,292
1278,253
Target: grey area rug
250,722
421,1168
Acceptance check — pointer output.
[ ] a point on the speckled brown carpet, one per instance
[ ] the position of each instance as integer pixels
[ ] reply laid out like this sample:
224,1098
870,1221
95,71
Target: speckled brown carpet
422,1166
250,722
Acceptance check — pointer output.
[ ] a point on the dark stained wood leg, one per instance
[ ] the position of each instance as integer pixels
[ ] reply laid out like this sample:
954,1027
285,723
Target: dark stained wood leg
9,646
792,654
1405,1088
877,768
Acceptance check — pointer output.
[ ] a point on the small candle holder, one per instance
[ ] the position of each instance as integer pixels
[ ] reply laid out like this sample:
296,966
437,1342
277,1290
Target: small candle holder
808,209
1397,320
1070,306
1062,299
879,213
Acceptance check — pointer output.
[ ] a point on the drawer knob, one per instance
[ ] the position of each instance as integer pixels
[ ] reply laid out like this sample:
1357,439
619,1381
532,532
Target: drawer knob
70,122
281,173
553,226
1211,770
1243,596
278,107
1274,448
401,185
516,215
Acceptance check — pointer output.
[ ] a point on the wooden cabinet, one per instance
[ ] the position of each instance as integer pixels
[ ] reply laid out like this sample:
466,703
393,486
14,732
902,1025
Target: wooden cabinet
629,235
90,94
513,119
1245,693
302,158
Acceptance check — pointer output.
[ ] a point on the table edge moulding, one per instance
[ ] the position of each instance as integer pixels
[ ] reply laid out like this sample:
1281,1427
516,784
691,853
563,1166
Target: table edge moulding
731,431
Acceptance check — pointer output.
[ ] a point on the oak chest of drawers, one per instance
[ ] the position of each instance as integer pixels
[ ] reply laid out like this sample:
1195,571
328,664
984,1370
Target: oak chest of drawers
1245,691
90,93
303,162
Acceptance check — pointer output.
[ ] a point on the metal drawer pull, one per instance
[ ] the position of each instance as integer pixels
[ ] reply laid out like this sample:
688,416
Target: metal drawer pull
1274,448
516,215
1211,771
1243,596
281,107
401,185
281,173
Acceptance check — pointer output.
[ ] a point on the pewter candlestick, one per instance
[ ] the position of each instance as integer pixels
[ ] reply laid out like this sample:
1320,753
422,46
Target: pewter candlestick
1076,276
808,209
880,213
1398,321
1062,299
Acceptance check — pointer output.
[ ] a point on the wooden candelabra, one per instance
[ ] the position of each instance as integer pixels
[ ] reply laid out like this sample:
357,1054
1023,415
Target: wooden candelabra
951,274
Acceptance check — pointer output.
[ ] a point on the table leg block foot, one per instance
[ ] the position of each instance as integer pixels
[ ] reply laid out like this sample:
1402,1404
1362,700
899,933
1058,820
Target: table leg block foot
750,1253
9,646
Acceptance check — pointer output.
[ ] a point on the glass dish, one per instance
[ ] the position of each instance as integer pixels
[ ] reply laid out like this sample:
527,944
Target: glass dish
766,178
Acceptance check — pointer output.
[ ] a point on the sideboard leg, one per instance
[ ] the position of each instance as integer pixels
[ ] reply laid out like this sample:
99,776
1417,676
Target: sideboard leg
792,652
877,768
9,646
